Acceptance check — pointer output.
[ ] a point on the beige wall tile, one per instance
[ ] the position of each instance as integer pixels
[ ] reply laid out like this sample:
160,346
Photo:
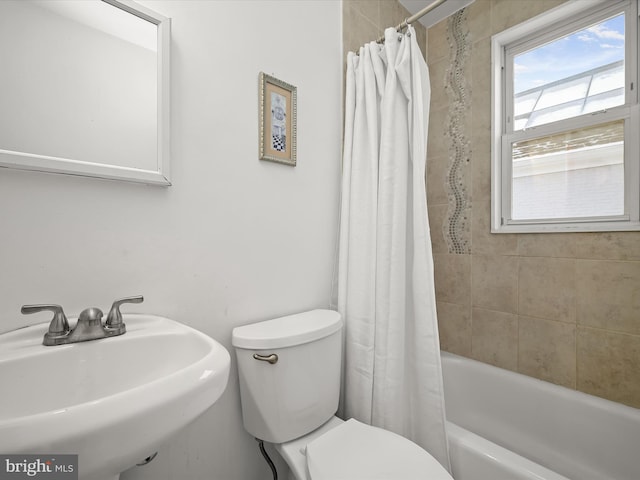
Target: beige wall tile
485,242
480,129
547,245
481,147
495,338
360,30
481,70
453,278
437,215
481,153
421,34
439,98
438,43
392,13
507,13
608,365
370,9
436,175
480,169
437,144
494,282
546,288
547,350
608,295
454,324
479,19
608,245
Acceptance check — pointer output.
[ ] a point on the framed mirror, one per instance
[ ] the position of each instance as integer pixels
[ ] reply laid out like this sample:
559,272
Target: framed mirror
84,89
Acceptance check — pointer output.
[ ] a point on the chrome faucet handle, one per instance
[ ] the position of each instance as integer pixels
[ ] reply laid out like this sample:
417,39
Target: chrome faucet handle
59,326
114,318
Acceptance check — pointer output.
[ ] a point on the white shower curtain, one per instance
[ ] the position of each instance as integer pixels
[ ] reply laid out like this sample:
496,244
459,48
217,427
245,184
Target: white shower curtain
393,376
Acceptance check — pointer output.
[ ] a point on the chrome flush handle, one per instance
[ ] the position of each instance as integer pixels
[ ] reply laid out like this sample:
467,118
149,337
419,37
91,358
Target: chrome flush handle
273,358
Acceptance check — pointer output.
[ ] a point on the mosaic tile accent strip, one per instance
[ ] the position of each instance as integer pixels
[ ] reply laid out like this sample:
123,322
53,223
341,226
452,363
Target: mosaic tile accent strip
456,226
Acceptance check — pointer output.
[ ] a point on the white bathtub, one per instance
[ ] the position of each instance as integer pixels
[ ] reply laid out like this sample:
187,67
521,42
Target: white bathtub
507,426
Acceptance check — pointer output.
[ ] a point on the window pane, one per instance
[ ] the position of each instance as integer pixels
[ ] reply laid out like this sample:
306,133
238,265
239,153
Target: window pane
563,77
579,173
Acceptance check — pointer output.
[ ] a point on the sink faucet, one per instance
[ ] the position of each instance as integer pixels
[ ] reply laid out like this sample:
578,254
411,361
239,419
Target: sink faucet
89,325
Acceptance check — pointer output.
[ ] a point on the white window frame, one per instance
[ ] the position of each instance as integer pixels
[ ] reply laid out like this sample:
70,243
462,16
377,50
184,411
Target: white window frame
536,31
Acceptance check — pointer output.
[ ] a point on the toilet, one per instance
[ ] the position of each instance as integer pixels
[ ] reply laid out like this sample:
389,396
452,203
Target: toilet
289,370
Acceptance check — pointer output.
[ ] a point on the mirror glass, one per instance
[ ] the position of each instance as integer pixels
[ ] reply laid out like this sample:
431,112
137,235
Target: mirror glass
84,89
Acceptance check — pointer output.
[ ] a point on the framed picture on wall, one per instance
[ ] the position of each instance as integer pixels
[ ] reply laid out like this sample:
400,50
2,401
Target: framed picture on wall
277,120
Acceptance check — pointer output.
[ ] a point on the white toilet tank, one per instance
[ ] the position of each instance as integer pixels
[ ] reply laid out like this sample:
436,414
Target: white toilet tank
289,370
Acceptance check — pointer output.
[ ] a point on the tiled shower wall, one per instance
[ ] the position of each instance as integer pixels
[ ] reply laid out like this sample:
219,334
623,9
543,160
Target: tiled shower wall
560,307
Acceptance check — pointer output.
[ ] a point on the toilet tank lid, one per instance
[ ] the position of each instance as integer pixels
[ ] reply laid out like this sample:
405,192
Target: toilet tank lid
287,331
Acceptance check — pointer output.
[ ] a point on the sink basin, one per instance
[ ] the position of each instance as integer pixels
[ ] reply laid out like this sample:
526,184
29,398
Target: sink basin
110,401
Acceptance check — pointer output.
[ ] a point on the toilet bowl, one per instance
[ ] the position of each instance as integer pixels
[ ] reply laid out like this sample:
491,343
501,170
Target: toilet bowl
289,371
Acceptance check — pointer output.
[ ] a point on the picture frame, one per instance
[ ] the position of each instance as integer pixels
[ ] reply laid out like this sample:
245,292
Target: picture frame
278,120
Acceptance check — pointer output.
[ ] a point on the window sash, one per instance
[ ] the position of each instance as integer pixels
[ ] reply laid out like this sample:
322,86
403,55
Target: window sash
631,117
561,29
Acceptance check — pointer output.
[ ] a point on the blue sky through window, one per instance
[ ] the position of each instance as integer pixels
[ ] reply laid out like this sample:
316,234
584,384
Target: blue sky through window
587,49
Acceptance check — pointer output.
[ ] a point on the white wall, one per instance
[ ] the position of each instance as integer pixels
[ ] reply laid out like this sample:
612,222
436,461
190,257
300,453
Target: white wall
234,241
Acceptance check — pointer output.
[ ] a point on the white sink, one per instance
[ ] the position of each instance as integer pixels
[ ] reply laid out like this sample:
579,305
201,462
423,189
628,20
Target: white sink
111,401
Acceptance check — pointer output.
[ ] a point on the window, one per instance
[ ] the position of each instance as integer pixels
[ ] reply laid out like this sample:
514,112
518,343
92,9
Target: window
566,129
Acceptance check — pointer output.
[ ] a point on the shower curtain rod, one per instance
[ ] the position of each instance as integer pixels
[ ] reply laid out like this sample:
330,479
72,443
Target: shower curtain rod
414,17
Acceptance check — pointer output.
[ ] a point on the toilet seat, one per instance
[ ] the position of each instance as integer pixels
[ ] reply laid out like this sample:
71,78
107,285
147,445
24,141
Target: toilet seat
355,451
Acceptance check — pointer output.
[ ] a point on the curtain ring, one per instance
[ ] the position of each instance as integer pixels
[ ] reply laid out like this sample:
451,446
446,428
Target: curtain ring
402,25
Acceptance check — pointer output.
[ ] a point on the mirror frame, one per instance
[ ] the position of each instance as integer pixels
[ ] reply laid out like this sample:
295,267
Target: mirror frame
160,176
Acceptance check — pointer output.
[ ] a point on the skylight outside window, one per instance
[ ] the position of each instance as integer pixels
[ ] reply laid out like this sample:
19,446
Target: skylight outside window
565,152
